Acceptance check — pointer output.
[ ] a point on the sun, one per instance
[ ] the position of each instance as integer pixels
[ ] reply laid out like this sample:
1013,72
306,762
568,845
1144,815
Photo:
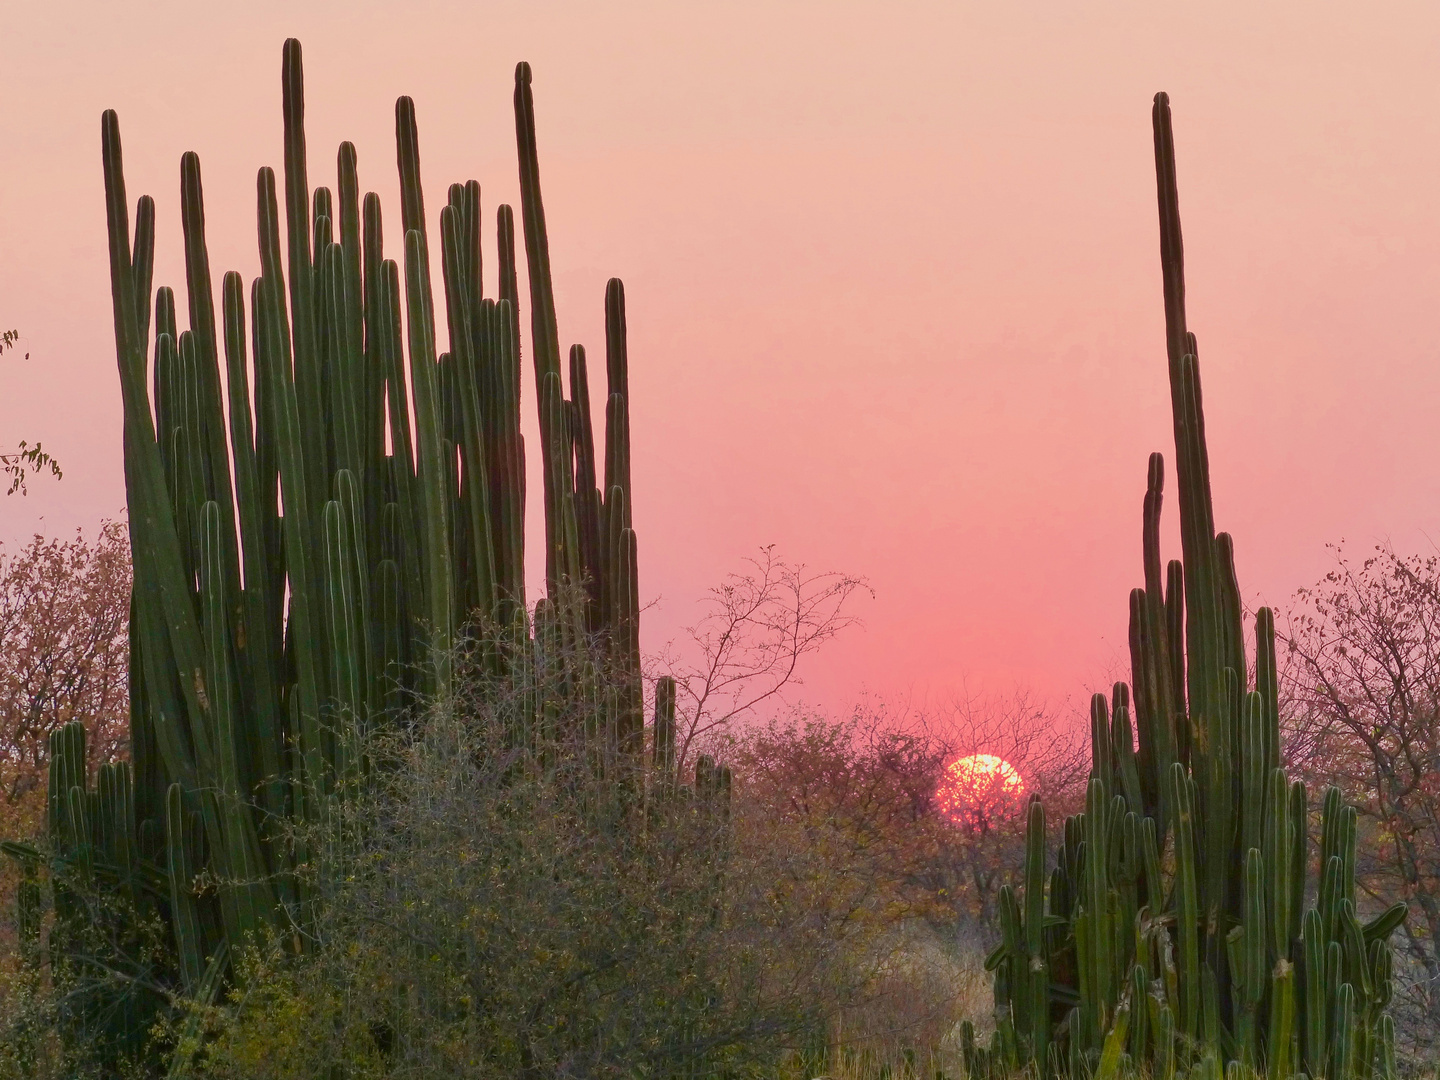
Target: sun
974,787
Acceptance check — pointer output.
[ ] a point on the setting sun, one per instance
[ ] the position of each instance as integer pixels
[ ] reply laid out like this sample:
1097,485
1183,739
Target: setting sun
976,784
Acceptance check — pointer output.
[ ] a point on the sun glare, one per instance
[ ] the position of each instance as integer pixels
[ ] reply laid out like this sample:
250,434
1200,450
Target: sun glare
975,786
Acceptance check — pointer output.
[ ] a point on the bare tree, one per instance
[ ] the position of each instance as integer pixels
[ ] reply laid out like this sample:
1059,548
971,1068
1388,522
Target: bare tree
1362,683
746,649
64,651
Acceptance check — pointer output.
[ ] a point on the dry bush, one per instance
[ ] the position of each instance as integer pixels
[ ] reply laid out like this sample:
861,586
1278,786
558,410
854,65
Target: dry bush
501,901
861,795
497,906
847,806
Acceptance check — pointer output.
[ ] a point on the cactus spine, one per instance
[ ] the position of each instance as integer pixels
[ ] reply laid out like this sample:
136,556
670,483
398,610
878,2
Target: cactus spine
1236,976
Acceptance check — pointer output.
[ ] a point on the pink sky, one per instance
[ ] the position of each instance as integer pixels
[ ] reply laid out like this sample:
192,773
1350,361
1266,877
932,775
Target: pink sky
892,273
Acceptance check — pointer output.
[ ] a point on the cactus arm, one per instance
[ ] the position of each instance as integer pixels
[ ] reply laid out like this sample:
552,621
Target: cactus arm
1253,961
302,619
1387,1066
1114,1043
589,509
1037,959
1280,1062
1267,683
346,677
435,512
1124,743
1229,615
306,359
1102,755
472,447
142,265
403,465
1165,1043
617,368
1386,923
262,657
545,344
1175,637
241,870
1187,913
1299,853
217,482
1343,1056
1277,862
510,473
151,516
1253,777
352,289
184,917
1348,825
345,375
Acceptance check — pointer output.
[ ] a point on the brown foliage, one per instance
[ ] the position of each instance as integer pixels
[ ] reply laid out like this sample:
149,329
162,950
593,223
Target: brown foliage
870,784
913,887
24,459
860,790
64,652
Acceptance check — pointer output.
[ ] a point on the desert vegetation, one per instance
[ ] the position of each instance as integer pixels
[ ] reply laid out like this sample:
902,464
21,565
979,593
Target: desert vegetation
299,781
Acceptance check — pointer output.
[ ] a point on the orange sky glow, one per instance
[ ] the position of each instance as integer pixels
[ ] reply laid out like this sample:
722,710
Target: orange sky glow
892,273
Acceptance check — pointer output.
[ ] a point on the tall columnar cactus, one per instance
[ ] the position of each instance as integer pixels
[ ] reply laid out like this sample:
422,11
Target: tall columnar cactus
317,522
1175,935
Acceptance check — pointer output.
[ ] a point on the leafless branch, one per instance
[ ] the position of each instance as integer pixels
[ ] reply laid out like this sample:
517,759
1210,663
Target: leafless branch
746,649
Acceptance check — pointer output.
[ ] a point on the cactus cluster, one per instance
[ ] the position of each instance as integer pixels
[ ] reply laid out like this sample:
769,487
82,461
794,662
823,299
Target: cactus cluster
1174,938
308,560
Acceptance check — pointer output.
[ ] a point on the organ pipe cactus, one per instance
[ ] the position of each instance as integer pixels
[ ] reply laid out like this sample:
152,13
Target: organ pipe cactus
316,524
1175,933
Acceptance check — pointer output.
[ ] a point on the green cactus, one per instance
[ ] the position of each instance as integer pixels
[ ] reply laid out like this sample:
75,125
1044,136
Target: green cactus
308,558
1385,1067
1244,980
1037,1008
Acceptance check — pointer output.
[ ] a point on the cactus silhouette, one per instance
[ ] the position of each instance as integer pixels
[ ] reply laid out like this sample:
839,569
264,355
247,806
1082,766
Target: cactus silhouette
308,560
1174,938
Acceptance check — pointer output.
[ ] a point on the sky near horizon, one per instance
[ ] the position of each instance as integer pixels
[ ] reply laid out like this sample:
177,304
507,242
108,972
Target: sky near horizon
892,275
